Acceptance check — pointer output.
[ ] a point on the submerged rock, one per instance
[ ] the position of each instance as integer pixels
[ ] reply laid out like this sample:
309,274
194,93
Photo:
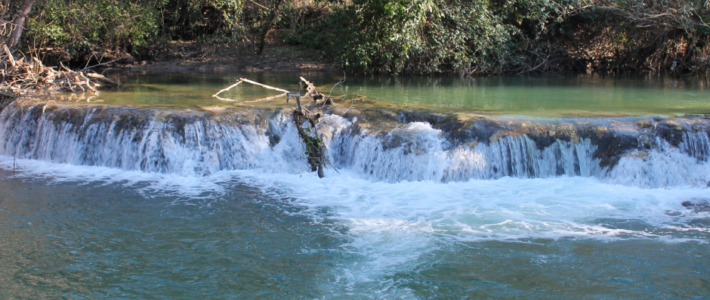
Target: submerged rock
699,205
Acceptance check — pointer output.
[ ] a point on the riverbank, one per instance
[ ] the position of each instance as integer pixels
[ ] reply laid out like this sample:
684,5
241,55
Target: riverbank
185,56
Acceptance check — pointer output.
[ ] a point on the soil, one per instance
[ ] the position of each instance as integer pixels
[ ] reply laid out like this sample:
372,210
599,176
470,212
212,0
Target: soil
217,57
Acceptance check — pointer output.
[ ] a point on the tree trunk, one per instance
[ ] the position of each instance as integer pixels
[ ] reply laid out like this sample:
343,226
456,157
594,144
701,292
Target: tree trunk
269,24
20,22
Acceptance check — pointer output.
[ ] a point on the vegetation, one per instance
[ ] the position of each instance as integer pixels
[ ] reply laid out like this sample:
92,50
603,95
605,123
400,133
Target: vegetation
467,37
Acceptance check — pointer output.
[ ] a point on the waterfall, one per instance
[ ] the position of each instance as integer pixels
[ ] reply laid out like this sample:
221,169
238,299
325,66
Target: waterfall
195,143
183,143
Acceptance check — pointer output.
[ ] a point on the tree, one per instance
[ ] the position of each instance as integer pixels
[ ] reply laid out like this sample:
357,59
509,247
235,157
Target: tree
20,22
269,23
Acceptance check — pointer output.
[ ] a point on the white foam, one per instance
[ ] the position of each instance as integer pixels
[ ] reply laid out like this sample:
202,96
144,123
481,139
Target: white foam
391,225
507,208
186,186
198,145
665,166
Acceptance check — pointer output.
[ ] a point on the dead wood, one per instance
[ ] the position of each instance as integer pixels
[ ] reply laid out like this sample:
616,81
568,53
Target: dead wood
305,121
315,95
315,154
29,77
236,84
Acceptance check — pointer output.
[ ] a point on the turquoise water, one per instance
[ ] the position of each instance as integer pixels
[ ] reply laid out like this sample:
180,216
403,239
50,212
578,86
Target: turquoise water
512,95
87,233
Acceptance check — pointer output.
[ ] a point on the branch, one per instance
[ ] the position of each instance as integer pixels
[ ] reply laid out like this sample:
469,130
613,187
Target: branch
263,85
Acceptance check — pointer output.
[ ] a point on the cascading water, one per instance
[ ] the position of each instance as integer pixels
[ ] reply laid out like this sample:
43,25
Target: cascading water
186,143
191,143
116,202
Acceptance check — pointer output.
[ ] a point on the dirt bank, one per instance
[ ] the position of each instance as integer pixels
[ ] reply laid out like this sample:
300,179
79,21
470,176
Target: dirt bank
215,57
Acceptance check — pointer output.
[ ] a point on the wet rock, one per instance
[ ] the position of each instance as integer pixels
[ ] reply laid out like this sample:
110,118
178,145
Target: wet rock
697,204
670,131
611,145
637,154
418,116
645,141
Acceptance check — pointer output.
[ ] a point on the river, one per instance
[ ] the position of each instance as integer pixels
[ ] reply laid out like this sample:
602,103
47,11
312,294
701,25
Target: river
485,188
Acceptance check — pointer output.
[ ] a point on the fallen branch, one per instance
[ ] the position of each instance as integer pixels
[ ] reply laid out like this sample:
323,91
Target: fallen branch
29,77
227,89
339,83
285,92
263,85
267,98
315,151
312,141
311,90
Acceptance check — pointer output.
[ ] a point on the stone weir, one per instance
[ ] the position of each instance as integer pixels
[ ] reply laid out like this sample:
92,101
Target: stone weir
376,143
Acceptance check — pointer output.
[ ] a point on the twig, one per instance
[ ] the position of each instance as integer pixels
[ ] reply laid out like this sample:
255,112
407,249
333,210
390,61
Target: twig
100,64
267,98
341,81
228,88
10,57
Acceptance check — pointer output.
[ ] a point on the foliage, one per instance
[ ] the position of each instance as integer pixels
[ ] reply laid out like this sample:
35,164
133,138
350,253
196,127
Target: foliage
494,36
429,36
91,23
402,36
87,24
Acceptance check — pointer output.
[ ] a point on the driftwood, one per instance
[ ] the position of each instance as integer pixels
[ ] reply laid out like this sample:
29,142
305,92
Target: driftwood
263,85
315,95
29,77
315,150
285,92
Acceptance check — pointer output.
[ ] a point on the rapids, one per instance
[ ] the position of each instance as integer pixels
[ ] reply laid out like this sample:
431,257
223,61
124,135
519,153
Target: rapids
399,146
216,201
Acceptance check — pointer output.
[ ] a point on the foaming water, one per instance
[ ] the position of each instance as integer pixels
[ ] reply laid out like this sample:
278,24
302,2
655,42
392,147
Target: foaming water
508,208
392,231
147,183
395,228
669,153
114,202
505,209
418,152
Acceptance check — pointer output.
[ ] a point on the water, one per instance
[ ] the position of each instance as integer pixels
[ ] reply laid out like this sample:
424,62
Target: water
581,96
96,241
189,201
99,233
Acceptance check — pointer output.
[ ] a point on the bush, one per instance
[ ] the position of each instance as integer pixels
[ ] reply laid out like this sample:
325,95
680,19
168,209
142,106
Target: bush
405,36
